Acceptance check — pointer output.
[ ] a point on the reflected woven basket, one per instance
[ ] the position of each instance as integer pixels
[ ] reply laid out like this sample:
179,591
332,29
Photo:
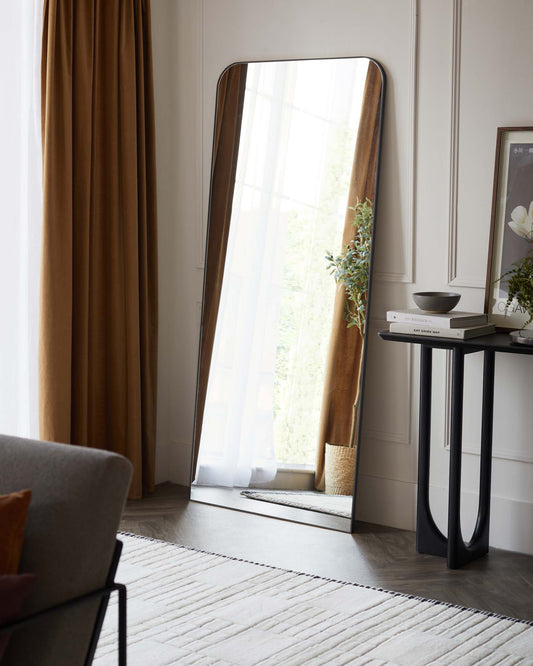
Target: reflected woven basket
339,469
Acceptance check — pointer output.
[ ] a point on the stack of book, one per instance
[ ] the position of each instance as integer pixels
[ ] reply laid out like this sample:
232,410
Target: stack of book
459,325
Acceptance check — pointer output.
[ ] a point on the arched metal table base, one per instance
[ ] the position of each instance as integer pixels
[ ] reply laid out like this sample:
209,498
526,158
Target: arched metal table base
429,539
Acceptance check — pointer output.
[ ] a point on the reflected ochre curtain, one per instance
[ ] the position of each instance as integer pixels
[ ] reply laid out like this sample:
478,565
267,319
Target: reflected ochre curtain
98,324
228,120
343,367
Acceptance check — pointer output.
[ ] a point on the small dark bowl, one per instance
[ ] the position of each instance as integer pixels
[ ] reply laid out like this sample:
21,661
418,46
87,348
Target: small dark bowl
436,302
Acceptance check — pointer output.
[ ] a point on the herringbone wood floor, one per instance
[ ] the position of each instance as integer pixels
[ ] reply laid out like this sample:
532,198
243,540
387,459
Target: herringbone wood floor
501,582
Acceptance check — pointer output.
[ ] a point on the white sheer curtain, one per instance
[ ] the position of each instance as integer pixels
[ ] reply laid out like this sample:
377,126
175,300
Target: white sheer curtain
20,214
237,443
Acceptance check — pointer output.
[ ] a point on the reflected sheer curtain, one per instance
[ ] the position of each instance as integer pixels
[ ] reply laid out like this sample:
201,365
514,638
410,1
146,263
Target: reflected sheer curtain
228,117
98,325
343,370
236,445
236,441
20,225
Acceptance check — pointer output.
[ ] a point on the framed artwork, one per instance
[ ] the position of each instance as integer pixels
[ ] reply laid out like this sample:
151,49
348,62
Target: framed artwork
511,222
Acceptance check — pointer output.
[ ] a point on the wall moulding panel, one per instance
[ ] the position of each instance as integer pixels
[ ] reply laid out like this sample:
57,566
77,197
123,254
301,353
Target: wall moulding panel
454,142
408,237
491,55
401,438
388,407
499,451
459,275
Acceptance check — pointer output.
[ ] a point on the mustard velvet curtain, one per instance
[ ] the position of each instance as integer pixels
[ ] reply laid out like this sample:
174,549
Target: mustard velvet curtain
228,119
98,323
343,367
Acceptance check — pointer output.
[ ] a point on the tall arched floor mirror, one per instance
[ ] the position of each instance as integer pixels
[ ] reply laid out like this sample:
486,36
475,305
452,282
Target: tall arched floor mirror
280,390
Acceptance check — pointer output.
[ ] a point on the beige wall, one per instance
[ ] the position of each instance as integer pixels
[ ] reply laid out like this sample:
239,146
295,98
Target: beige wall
455,71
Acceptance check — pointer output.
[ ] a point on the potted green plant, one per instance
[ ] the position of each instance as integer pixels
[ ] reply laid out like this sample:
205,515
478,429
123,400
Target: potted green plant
519,279
520,285
351,270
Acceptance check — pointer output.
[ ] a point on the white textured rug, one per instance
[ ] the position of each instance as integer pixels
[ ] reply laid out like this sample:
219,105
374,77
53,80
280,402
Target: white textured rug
337,505
189,607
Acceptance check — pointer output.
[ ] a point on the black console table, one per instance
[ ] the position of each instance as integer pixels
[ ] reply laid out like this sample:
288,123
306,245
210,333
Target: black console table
429,539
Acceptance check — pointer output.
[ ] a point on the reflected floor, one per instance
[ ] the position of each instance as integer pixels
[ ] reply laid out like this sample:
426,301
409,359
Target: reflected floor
231,498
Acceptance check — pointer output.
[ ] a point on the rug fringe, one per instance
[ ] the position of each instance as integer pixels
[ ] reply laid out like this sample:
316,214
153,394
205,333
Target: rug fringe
434,602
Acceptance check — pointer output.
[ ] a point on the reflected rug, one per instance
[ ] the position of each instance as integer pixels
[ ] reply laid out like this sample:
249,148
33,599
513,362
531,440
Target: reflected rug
190,607
337,505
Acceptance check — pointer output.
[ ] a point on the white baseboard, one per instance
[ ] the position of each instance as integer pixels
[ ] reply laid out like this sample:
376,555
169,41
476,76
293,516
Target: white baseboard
386,502
511,520
393,503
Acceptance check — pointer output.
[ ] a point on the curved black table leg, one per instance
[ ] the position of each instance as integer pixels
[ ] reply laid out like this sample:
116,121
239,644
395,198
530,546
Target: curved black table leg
460,553
481,531
429,539
456,546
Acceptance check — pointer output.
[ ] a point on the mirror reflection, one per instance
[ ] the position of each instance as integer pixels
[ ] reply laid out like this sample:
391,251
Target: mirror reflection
286,285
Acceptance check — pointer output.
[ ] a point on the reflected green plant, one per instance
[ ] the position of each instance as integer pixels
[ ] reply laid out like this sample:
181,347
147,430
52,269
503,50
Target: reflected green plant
351,268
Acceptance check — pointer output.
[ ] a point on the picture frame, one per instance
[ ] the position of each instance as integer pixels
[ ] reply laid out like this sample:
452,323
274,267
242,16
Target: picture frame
511,221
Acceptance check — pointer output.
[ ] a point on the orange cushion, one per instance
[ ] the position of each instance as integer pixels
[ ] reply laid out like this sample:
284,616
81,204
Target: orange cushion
13,512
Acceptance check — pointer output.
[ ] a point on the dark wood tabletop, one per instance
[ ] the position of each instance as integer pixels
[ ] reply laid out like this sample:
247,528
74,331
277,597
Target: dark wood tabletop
500,342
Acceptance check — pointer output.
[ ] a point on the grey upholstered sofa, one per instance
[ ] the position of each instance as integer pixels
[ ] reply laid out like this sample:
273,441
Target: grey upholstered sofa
78,495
